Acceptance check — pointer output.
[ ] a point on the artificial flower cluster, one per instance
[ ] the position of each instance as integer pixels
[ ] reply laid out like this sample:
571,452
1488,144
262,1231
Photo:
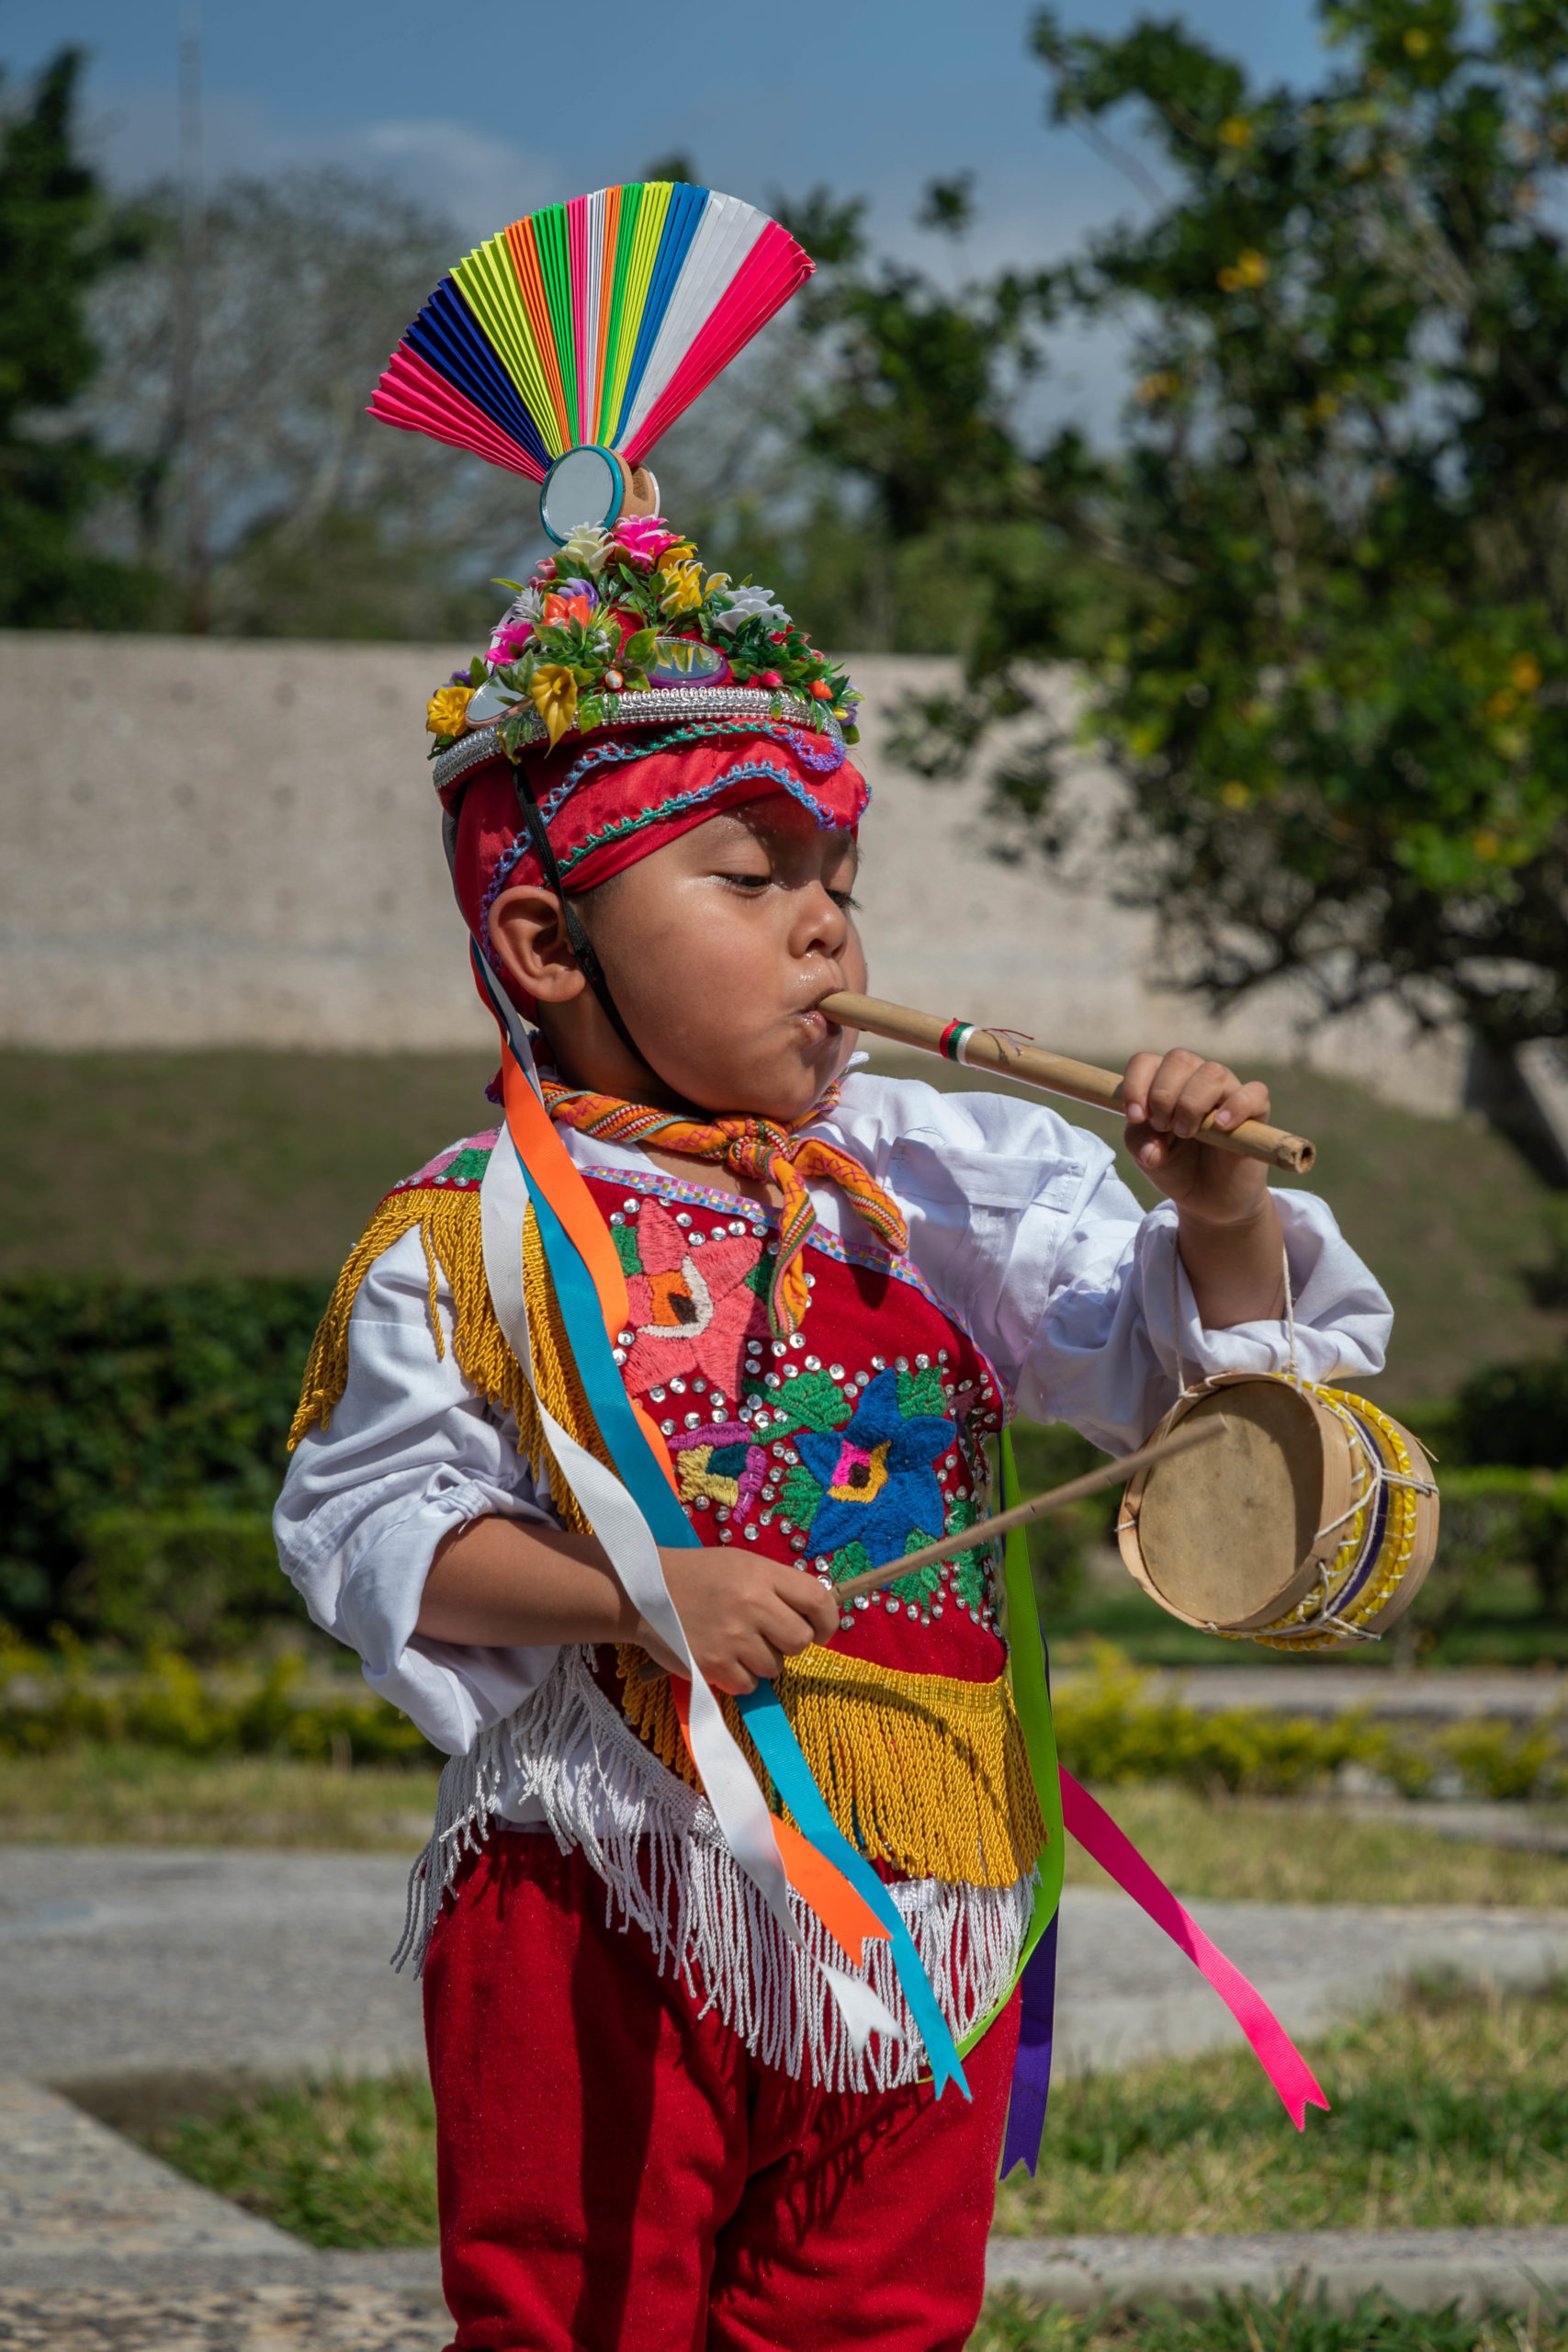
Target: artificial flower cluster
618,611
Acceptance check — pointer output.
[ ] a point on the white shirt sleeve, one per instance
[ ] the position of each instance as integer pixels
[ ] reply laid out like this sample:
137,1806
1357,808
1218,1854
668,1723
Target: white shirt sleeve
1025,1231
410,1454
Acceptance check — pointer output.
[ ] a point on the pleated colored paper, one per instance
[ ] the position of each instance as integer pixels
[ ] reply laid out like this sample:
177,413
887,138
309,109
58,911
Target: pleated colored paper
598,321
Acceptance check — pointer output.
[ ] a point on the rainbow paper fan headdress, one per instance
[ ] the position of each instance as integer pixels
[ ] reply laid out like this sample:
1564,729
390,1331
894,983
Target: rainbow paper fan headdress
563,347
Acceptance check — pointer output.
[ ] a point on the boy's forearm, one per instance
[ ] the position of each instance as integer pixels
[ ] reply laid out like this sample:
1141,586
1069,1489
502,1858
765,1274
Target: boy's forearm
502,1583
1237,1270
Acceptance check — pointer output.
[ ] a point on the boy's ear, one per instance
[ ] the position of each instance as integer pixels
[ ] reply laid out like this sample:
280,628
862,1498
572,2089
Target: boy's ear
528,933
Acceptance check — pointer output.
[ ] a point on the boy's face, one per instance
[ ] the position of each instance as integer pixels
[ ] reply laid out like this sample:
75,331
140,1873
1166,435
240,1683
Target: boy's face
717,948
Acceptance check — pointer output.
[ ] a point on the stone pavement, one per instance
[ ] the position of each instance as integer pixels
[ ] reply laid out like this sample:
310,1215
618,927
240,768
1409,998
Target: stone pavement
126,1968
1296,1688
120,1962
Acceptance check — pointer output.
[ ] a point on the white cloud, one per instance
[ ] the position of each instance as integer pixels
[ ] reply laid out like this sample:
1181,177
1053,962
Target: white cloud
479,181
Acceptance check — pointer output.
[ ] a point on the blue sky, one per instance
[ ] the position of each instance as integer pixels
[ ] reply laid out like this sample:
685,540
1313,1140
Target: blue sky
486,108
490,106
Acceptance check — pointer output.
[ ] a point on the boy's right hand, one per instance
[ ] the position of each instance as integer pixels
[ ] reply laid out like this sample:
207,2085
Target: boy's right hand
743,1616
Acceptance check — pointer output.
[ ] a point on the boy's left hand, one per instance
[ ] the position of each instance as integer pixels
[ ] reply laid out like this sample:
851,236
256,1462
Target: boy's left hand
1167,1098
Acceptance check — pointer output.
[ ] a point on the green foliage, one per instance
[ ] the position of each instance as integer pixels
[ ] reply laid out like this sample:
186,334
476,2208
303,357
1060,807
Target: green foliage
49,1703
141,1396
1110,1728
1516,1412
1336,680
202,1582
55,240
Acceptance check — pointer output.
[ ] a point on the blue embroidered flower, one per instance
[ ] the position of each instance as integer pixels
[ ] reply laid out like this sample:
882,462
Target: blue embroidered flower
876,1475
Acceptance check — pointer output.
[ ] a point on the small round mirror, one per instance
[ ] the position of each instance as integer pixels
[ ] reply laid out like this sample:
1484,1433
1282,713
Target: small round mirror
585,486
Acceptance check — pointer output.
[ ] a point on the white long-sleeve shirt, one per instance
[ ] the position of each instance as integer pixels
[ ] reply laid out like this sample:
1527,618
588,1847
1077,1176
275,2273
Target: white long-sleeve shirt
1016,1221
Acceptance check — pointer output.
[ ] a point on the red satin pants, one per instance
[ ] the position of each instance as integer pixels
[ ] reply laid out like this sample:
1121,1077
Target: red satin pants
618,2171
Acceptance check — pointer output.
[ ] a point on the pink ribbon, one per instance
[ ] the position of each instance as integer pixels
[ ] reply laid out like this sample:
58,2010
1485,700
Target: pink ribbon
1275,2051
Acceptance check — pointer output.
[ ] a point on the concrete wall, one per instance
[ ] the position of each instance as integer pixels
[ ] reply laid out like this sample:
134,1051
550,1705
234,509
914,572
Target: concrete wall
207,843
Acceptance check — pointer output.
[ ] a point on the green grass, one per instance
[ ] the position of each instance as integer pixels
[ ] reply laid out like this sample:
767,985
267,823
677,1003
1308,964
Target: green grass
1251,2323
343,2162
165,1165
96,1795
1270,1850
1241,1849
1445,2111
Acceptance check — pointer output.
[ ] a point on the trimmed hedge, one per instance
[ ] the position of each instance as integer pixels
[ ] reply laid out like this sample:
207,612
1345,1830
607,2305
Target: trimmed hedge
145,1396
203,1582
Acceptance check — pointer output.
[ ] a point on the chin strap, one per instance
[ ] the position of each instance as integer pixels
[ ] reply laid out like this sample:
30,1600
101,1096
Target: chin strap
582,946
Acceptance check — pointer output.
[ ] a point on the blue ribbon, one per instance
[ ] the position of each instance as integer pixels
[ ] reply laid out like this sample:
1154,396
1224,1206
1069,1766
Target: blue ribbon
776,1745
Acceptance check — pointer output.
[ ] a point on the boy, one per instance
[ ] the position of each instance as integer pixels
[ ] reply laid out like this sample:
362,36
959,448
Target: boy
657,2119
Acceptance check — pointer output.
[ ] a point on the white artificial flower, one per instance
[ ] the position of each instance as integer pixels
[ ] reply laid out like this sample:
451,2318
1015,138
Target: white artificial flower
751,604
585,553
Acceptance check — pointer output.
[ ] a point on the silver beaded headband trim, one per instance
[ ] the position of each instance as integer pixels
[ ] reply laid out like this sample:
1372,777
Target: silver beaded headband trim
658,708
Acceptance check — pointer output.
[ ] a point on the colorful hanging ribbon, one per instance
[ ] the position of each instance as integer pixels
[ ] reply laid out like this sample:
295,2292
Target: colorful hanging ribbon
591,1290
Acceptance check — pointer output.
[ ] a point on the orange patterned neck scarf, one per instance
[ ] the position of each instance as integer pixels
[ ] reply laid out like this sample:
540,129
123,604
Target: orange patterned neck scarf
756,1147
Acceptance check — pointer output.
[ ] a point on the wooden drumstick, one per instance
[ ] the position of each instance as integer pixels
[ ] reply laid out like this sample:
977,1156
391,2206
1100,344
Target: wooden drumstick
1093,1482
978,1049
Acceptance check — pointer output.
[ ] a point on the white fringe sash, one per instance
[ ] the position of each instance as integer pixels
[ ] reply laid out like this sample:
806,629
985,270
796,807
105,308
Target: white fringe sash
656,1845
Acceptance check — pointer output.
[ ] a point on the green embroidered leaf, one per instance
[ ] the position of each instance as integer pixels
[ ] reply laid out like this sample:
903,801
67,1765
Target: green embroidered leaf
969,1571
760,1278
853,1560
469,1167
624,1238
923,1585
812,1402
799,1495
921,1392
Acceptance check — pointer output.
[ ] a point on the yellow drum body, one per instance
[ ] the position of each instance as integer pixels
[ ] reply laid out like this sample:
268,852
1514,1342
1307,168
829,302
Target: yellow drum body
1311,1525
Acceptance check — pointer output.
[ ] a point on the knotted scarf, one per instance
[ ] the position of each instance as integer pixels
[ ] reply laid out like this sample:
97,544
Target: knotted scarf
759,1148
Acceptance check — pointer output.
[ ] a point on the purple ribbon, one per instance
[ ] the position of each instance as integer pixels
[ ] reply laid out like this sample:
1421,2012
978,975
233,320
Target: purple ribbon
1031,2068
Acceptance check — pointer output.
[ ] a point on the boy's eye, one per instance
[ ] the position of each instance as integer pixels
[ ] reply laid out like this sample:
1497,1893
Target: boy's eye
748,881
845,900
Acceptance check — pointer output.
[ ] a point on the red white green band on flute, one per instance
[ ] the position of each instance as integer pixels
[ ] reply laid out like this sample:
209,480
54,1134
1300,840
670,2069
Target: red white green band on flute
953,1039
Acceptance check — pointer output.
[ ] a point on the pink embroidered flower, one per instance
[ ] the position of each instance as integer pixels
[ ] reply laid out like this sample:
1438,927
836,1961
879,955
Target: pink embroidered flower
643,539
691,1307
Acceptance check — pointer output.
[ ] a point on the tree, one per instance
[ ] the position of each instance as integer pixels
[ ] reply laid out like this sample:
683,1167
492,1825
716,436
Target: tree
1338,529
313,519
56,242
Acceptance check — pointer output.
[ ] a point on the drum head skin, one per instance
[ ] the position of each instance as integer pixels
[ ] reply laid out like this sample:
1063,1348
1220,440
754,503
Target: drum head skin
1229,1535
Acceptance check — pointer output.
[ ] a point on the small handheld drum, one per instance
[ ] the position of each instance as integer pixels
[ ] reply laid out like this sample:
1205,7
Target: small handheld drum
1311,1525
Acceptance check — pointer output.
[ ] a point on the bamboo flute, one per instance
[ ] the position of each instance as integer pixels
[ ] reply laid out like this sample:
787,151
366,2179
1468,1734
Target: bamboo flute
978,1049
1093,1482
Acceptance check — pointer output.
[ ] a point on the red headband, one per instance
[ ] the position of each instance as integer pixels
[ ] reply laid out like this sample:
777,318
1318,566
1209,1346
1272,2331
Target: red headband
610,802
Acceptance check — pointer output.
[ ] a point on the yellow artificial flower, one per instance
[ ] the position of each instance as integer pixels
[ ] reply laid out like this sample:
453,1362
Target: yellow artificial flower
446,712
1525,672
682,583
555,698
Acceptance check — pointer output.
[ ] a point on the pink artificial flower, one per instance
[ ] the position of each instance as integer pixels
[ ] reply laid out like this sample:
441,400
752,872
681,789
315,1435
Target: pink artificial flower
689,1309
643,539
509,642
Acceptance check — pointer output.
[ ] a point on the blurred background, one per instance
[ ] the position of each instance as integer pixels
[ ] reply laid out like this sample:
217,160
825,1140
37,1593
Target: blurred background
1172,440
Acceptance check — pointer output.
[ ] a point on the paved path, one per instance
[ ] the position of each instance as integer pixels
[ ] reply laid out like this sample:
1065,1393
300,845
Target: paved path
122,1962
1295,1689
122,1968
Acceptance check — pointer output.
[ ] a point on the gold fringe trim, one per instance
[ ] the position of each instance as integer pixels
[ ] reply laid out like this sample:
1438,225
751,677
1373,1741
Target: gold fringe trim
920,1770
449,1229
